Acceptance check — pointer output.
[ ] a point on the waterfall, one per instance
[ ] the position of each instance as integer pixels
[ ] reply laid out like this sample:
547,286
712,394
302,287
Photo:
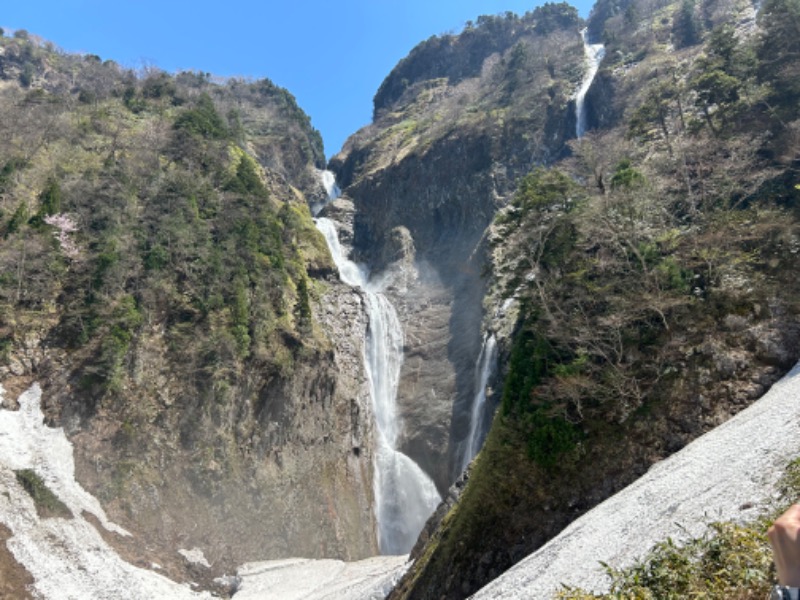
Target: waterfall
404,494
329,183
594,55
484,367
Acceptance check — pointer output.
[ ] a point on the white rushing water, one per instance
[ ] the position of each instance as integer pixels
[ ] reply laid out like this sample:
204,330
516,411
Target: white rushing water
404,494
484,368
329,183
594,55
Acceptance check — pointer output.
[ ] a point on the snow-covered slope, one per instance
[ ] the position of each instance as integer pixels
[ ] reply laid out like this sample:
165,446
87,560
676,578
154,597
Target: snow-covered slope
721,476
67,558
301,579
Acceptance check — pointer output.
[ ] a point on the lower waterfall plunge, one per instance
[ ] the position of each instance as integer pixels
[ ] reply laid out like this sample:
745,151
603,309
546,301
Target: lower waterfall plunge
594,55
404,494
484,368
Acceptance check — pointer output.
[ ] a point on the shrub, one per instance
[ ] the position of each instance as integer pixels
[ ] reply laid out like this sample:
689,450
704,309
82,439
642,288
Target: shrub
26,75
46,502
202,120
50,199
543,188
19,217
247,179
626,176
732,560
551,438
156,258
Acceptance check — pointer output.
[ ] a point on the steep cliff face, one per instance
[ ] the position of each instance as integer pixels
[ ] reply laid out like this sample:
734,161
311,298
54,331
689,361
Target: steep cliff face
648,280
276,464
457,123
163,281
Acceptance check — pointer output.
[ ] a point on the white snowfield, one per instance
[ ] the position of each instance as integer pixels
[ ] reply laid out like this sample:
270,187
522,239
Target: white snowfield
716,477
303,579
67,558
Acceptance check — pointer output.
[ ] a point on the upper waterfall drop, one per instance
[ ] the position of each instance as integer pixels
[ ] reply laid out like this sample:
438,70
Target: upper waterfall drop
594,54
405,496
329,183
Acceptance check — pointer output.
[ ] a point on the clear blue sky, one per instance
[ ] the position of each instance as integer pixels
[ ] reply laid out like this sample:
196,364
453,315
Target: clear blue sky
331,55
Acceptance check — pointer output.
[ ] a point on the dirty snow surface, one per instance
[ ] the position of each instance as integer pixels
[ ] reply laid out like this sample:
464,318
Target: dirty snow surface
66,557
716,477
302,579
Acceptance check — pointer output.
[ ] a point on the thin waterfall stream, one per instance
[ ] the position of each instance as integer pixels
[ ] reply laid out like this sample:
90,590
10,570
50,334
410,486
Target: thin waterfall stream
484,368
405,496
594,54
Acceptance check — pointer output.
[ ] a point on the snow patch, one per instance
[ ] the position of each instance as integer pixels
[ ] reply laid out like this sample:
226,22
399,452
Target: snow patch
305,579
67,558
26,443
714,478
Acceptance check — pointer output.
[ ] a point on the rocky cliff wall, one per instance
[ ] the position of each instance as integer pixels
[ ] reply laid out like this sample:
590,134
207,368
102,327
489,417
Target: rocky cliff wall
429,210
276,464
696,350
426,180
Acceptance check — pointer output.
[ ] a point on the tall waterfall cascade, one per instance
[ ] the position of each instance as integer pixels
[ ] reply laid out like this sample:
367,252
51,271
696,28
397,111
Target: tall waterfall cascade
484,368
405,496
594,54
329,183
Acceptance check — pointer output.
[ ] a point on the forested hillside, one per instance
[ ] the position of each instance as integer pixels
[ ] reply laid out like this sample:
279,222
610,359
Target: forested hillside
161,276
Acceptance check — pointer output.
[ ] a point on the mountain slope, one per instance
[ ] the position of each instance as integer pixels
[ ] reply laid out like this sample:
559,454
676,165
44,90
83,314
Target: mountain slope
727,474
161,276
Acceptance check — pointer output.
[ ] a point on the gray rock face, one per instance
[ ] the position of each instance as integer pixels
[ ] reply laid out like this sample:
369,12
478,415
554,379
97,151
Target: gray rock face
422,221
442,329
341,211
431,172
419,225
439,204
278,464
